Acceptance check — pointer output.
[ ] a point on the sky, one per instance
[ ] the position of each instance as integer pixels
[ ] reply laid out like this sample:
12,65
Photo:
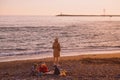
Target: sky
54,7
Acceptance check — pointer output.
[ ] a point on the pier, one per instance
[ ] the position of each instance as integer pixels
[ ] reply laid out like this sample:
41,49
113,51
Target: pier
67,15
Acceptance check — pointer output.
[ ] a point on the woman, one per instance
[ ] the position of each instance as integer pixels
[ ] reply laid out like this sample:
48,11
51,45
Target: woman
56,51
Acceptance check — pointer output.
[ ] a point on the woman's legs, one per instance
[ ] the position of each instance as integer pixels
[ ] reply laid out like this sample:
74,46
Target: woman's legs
54,60
57,60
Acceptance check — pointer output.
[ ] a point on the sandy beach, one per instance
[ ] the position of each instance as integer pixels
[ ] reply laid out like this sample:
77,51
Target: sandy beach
82,67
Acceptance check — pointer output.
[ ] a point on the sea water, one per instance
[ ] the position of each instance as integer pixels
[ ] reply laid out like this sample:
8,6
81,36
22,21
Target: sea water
34,35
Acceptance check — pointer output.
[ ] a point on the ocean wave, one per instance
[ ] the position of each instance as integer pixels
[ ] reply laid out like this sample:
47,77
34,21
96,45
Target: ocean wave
35,36
24,53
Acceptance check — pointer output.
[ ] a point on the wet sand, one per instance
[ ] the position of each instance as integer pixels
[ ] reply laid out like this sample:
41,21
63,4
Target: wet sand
82,67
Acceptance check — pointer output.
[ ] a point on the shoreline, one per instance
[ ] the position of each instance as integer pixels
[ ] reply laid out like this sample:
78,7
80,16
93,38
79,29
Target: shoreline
45,56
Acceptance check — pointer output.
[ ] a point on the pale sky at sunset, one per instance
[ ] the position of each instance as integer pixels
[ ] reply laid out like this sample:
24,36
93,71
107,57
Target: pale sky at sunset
53,7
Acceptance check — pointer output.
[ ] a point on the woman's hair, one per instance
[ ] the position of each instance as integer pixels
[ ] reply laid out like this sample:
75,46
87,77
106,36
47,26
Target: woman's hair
43,64
56,39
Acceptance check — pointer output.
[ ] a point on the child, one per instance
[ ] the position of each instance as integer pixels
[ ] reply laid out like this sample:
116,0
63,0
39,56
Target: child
42,69
56,70
34,69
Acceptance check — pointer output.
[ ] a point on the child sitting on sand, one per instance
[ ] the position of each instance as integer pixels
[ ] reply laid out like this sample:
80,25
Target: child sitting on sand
59,72
56,70
42,69
34,69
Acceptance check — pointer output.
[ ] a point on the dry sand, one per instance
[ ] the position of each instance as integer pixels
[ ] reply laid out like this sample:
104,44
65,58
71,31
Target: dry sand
83,67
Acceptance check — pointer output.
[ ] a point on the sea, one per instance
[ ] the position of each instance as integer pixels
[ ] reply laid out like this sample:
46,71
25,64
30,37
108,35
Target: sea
29,37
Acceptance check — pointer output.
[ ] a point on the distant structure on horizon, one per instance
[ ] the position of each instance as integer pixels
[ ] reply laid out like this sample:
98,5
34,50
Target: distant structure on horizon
88,15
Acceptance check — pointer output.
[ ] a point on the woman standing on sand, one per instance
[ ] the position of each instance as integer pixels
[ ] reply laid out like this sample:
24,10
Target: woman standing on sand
56,51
